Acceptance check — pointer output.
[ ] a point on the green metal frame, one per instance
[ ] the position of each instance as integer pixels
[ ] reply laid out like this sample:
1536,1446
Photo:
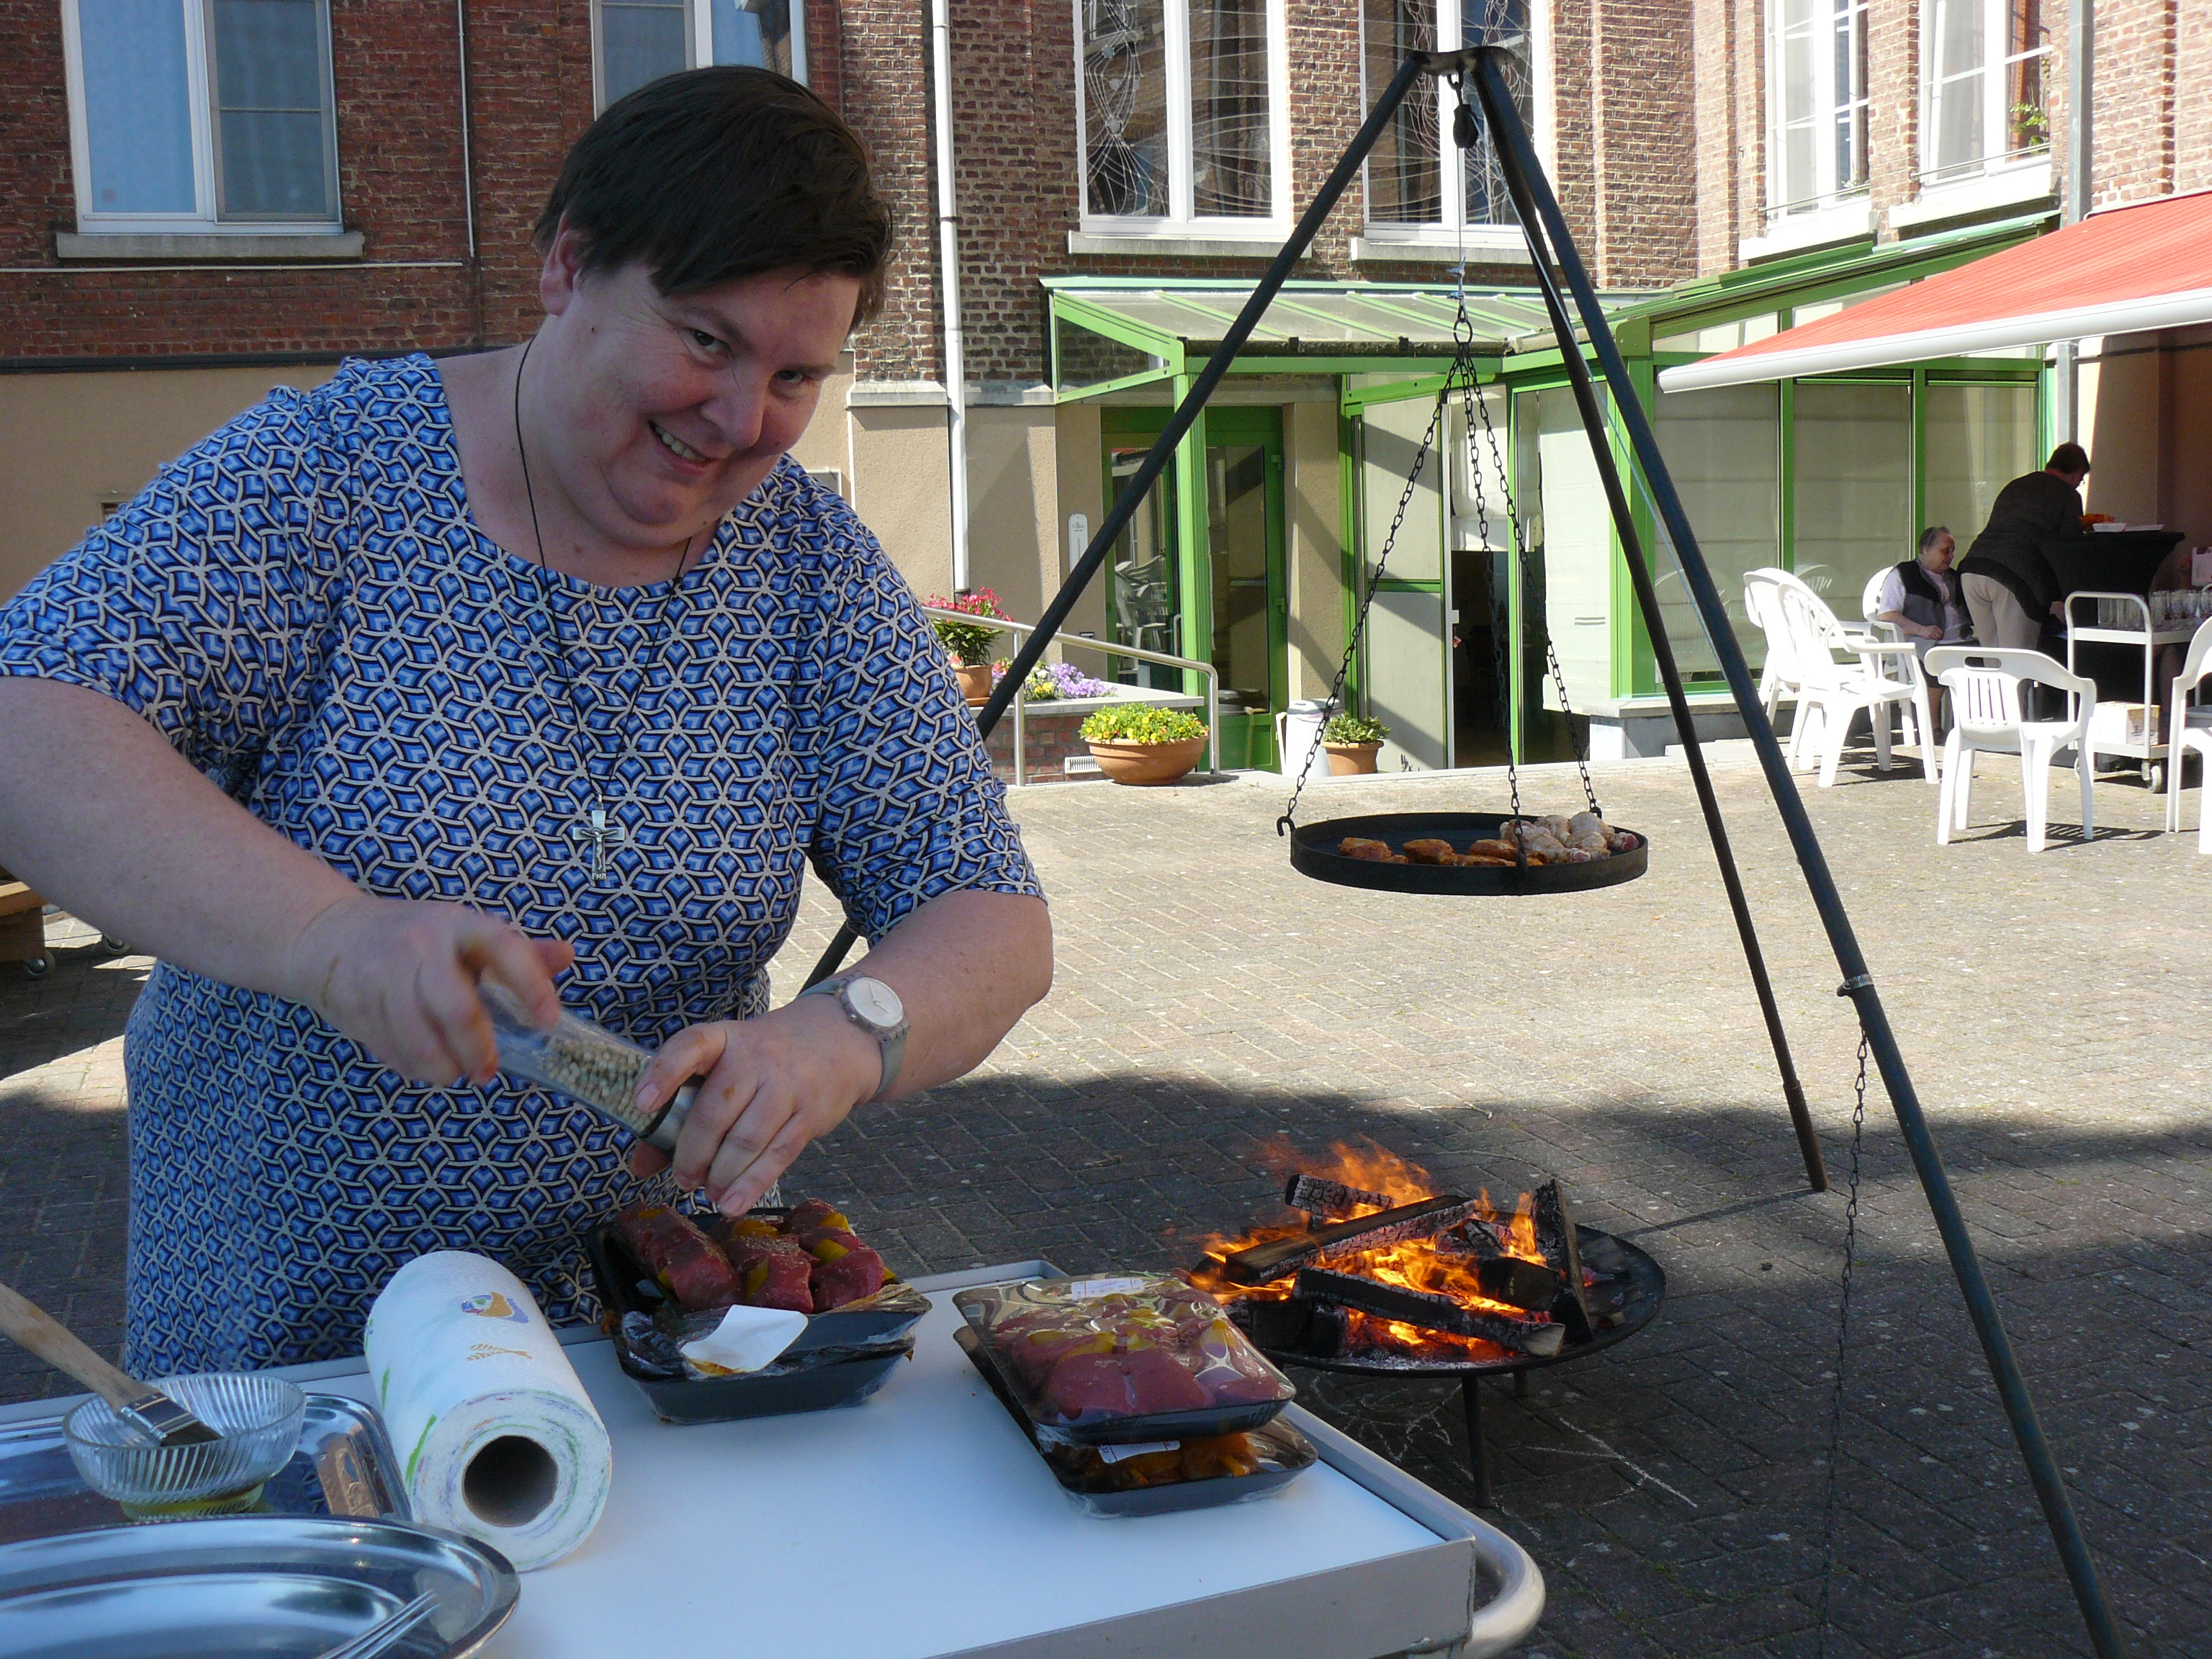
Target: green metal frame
1779,287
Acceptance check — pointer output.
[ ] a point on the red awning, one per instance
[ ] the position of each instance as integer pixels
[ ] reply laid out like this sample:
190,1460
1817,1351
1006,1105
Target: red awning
2122,272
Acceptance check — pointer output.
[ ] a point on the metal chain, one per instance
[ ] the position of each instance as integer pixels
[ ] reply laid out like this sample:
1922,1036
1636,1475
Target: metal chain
1499,616
1843,1332
1288,821
1527,571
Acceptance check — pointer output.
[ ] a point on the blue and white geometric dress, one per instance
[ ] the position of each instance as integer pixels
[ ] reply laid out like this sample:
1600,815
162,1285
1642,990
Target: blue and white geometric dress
303,606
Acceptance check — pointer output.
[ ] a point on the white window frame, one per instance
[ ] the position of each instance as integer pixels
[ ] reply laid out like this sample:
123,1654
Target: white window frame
1449,230
207,192
1998,154
1180,223
698,45
1830,193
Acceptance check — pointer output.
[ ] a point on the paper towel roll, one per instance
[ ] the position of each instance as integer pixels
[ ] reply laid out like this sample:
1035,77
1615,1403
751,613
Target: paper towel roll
496,1436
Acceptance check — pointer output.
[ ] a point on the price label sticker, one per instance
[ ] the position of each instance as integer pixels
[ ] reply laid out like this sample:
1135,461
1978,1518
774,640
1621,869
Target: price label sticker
1082,1290
1143,1449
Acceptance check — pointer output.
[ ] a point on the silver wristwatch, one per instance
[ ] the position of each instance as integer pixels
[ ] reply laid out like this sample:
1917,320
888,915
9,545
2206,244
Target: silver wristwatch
876,1009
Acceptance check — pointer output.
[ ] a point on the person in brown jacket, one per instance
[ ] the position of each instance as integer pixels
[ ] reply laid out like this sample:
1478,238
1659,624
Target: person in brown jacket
2010,586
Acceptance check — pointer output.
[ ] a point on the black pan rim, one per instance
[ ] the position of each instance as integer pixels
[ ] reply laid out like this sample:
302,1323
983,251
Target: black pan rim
1313,853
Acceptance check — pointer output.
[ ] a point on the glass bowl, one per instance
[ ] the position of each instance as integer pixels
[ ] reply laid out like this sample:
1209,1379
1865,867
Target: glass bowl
257,1417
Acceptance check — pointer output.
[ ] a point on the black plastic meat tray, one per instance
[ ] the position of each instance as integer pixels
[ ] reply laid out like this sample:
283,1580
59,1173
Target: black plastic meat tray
1288,1454
1313,853
840,1359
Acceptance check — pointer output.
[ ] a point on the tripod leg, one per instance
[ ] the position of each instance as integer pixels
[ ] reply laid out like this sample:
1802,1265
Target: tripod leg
1478,1453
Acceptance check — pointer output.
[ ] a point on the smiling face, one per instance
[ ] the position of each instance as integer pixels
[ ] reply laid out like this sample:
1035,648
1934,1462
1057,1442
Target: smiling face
656,416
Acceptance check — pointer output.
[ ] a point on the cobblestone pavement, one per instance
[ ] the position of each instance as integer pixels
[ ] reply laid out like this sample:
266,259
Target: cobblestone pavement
1209,1003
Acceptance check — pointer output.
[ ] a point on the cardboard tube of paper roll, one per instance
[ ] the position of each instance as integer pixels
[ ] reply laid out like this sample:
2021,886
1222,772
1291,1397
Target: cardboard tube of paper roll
496,1438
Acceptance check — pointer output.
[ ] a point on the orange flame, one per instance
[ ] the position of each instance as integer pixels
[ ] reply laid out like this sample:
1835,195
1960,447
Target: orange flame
1415,1264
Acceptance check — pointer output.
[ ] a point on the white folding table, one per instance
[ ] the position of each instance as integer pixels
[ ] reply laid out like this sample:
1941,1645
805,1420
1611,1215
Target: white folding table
921,1524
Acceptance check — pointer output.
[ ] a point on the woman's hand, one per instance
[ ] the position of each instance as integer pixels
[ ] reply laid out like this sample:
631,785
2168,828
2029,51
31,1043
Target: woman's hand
399,977
772,1085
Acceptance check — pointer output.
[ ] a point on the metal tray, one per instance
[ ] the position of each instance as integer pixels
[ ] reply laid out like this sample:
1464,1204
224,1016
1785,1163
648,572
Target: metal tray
274,1586
1290,1453
840,1376
1313,853
344,1465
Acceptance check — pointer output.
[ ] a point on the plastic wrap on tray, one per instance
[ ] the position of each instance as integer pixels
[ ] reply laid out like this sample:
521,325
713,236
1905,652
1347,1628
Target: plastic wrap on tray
1159,1477
1123,1359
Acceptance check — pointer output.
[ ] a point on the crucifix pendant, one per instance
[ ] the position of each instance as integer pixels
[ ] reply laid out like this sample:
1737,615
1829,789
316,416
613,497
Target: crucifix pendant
602,838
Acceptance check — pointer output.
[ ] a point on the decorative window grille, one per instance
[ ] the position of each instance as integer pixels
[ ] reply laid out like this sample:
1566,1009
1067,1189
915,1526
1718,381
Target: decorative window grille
1982,81
1181,105
1817,95
1417,178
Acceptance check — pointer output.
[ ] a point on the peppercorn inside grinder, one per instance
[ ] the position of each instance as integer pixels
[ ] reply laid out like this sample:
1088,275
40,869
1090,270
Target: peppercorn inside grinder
586,1062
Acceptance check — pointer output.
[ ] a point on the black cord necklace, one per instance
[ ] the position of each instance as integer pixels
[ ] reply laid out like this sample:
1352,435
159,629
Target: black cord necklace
597,833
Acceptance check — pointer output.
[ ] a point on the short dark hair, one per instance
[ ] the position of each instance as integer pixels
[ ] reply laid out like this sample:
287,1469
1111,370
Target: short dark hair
2068,458
1928,536
713,175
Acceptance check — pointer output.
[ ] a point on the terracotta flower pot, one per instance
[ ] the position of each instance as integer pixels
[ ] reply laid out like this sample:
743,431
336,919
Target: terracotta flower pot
1350,760
1146,762
975,679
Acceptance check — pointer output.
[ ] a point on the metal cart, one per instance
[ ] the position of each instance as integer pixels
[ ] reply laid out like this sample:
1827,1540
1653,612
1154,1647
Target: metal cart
2127,729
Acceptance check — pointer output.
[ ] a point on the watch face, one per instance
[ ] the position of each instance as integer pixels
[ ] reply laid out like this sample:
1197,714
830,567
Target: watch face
875,1001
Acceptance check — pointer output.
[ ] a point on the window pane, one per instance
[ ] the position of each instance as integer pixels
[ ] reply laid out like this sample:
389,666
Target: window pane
755,32
1854,487
1800,84
1404,186
1125,106
639,42
1958,37
1229,109
1723,447
1958,123
1980,438
1487,203
138,107
272,129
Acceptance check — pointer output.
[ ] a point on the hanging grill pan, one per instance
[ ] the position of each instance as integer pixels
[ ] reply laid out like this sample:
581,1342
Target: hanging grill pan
1313,853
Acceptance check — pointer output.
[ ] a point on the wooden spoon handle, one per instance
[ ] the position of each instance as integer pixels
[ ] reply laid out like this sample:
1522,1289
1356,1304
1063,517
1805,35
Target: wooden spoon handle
54,1343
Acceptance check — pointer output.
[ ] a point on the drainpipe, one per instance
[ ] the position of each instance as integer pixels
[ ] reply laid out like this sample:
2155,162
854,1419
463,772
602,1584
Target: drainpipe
2081,91
948,261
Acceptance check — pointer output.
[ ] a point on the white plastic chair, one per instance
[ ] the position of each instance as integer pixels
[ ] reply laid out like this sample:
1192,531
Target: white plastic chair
1989,688
1870,607
2188,728
1777,678
1833,692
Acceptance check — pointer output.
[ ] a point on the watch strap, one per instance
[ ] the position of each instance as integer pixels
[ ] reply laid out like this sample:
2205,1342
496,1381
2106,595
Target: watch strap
892,1042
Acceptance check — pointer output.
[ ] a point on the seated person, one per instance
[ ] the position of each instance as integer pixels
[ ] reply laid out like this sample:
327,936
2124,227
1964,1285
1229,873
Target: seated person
1923,600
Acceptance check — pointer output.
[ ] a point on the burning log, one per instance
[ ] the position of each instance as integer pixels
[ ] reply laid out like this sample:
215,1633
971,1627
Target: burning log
1263,1264
1433,1313
1294,1325
1330,1201
1520,1284
1474,1236
1555,1237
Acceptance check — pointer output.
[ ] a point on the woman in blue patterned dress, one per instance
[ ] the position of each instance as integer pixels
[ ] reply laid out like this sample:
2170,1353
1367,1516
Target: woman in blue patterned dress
543,661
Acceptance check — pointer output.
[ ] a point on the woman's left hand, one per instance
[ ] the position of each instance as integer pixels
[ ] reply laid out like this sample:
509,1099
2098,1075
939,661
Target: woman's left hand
773,1084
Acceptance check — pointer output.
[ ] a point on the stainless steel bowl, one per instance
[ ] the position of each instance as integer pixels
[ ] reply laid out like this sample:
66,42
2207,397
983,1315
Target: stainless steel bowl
256,1416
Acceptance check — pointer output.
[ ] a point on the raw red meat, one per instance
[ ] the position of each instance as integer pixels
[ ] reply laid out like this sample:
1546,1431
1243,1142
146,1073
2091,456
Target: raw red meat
678,1254
1139,1384
778,1278
828,1243
857,1272
813,1214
